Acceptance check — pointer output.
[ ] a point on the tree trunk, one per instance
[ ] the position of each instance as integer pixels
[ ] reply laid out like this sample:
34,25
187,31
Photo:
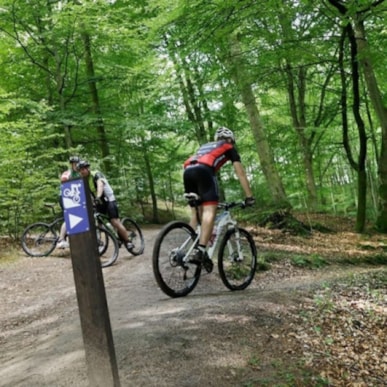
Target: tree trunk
381,112
376,99
148,170
96,108
60,84
193,98
298,114
359,165
264,151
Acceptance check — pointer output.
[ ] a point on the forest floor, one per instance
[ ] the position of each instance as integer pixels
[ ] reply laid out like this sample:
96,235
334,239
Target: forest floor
317,316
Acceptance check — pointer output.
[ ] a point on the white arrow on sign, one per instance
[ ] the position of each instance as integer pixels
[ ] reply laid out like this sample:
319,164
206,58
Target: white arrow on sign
74,220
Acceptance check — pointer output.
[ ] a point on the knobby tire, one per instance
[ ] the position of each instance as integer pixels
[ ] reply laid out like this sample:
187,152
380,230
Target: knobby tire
237,274
175,278
39,240
108,248
135,236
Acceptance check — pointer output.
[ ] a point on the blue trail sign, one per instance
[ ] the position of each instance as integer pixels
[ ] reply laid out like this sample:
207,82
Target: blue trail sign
74,205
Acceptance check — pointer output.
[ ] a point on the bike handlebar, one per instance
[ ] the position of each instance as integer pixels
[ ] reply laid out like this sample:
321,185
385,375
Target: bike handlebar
227,206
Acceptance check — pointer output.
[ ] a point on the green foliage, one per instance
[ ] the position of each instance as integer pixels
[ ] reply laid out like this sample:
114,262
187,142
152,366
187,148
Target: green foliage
163,83
313,261
27,162
375,259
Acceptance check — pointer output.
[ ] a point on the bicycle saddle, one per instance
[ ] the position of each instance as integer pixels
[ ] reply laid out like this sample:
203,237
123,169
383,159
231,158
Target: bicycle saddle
191,196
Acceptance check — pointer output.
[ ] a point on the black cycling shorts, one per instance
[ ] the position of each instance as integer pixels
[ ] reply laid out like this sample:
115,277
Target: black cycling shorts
200,179
109,208
112,210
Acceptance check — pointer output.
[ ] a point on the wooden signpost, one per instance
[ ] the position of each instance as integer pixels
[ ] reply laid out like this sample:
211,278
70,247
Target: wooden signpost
93,309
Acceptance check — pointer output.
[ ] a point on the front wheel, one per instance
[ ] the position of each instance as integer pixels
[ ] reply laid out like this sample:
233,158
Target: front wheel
237,259
39,240
135,236
108,248
175,276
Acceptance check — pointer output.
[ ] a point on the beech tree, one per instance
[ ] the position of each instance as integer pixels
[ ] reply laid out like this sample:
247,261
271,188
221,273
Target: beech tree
135,87
355,16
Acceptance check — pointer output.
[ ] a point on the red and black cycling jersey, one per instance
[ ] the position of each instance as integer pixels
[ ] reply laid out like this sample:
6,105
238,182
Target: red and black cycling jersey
214,154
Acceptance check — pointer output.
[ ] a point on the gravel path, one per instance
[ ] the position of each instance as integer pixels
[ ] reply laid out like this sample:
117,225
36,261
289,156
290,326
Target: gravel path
210,337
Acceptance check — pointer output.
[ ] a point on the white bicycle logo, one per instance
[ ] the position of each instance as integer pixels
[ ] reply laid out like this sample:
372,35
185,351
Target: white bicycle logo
73,193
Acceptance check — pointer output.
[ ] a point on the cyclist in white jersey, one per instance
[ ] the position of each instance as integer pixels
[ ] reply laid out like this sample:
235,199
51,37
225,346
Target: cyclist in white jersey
104,198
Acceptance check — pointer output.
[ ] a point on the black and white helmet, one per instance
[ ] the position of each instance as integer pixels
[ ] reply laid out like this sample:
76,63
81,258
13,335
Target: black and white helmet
83,164
73,159
224,133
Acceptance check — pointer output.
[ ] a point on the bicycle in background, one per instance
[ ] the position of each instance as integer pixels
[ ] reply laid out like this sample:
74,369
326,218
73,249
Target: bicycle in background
40,239
135,236
173,269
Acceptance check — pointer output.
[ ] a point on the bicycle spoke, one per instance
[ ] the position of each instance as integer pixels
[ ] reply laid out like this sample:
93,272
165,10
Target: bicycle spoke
237,259
135,236
107,247
39,240
175,277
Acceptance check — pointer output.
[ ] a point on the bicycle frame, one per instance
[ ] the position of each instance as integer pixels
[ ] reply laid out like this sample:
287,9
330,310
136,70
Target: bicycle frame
177,266
223,222
57,224
58,219
103,219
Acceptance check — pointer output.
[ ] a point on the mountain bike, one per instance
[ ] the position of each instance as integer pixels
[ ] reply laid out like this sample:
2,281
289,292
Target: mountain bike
40,239
173,269
135,235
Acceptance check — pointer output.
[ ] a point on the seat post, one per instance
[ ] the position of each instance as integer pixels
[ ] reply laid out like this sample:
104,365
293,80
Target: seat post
197,212
193,200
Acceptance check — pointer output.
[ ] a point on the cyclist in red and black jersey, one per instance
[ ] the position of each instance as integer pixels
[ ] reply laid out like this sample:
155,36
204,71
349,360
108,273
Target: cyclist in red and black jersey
200,178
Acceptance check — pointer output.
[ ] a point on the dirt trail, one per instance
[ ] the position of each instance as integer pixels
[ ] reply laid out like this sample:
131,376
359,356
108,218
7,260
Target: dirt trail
212,337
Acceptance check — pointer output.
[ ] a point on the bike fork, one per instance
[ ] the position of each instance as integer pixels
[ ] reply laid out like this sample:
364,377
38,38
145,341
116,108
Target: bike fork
236,254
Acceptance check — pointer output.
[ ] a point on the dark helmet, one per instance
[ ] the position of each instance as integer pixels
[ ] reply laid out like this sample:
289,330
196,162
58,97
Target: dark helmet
74,159
83,164
223,134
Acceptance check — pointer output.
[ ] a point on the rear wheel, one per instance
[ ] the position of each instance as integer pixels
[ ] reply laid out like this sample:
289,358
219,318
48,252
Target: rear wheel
108,248
135,236
237,259
175,277
39,240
